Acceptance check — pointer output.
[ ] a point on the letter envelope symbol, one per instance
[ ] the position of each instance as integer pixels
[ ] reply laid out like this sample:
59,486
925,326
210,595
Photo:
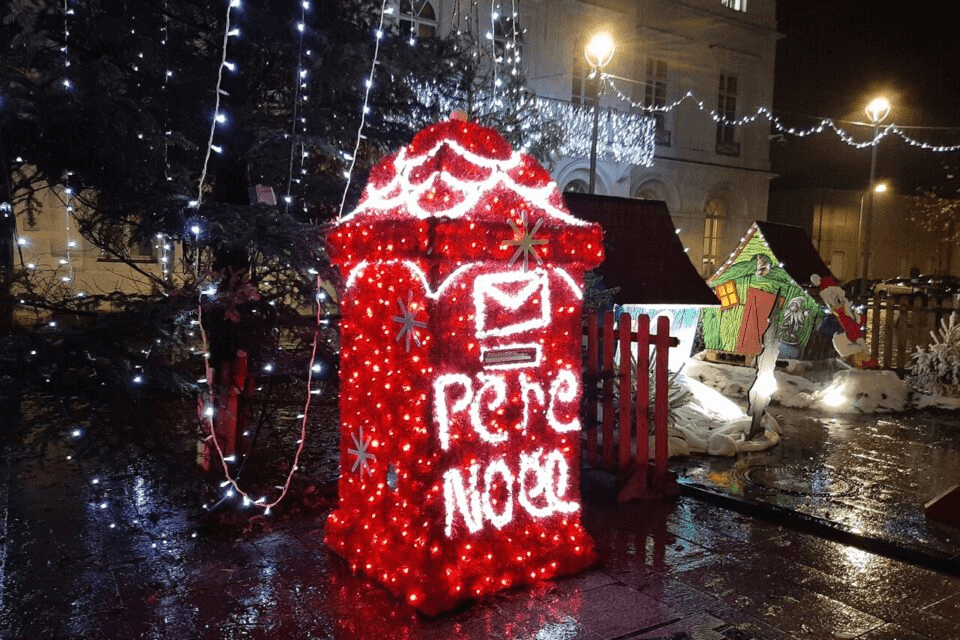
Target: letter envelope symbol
511,302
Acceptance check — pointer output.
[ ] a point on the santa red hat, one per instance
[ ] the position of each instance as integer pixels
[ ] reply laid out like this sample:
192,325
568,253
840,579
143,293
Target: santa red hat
824,281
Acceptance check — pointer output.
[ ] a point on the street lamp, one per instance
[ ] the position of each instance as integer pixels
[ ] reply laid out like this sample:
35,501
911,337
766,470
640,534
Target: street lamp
880,187
876,111
598,53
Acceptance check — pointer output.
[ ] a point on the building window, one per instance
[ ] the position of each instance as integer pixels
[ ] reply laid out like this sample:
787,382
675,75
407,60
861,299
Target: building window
736,5
417,19
727,294
584,88
712,236
654,91
727,108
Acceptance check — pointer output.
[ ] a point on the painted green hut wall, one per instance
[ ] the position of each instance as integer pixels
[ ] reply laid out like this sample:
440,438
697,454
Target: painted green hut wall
796,319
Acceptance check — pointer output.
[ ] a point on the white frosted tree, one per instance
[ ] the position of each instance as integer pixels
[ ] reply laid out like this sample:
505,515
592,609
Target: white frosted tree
936,368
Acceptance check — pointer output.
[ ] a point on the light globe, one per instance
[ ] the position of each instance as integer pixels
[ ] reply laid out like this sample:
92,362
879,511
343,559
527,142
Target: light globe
600,49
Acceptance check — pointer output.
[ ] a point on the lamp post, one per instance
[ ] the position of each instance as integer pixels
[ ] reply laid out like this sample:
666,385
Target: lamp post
598,53
876,111
880,187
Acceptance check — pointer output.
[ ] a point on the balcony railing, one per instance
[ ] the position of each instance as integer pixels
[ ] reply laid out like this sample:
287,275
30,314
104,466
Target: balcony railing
622,137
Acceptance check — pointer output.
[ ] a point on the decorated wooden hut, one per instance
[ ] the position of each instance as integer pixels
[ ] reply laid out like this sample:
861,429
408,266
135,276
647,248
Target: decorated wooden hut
771,266
646,264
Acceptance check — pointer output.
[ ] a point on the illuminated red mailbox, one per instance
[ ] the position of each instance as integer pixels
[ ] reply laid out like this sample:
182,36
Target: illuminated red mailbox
460,371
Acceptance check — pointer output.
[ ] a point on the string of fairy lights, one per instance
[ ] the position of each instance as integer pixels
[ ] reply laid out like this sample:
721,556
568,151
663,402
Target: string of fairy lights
162,240
351,158
495,56
301,85
231,481
764,113
66,190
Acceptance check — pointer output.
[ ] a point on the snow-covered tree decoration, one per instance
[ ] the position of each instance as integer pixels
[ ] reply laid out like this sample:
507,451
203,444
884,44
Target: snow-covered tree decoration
936,368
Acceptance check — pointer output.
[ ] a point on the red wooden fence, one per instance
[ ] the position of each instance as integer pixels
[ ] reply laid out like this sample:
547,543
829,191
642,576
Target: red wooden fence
605,413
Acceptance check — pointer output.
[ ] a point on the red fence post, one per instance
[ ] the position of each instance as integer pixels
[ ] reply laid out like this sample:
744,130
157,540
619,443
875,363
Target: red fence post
607,375
643,395
662,400
625,422
593,354
227,420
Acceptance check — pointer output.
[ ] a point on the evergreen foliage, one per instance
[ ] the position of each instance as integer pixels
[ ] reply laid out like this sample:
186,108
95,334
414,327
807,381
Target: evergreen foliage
129,135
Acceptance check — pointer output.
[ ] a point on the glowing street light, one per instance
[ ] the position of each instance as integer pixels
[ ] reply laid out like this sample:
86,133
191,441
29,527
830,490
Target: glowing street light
877,111
598,53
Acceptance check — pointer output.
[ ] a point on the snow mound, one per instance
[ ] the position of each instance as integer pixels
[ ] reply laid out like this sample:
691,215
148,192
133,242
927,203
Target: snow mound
821,388
713,424
863,391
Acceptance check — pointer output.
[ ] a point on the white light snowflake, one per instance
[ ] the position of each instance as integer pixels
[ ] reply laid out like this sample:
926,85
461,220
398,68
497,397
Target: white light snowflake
363,456
408,322
524,241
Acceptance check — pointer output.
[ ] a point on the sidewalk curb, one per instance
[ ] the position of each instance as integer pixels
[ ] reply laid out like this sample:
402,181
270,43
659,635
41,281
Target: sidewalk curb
930,559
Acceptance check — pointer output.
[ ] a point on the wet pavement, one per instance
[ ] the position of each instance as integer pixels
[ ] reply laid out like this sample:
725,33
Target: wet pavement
859,478
102,542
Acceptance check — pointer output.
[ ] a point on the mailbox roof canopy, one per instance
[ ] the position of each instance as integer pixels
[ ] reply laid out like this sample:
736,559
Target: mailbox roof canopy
459,192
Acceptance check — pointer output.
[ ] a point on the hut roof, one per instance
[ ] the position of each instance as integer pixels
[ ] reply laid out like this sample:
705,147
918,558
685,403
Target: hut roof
790,246
644,255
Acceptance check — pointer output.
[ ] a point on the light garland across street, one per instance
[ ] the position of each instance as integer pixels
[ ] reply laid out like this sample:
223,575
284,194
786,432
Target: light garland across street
764,113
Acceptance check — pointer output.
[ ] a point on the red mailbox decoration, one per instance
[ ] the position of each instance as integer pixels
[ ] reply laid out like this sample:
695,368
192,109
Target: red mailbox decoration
460,371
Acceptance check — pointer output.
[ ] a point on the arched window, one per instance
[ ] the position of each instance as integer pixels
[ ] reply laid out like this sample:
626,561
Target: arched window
576,186
713,213
417,19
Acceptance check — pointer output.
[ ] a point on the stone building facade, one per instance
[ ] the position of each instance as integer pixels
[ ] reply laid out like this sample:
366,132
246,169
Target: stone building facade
714,178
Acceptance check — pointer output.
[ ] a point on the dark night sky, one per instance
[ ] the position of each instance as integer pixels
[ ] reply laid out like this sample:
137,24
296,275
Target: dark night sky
838,54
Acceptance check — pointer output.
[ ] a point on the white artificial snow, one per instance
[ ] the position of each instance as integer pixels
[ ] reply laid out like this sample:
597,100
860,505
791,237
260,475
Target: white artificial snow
715,422
828,387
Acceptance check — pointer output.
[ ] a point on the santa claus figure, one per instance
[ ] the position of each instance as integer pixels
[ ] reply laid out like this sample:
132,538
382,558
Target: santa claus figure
849,343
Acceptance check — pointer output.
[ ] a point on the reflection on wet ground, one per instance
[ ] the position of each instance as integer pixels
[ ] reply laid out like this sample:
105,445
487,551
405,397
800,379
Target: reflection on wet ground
99,543
867,475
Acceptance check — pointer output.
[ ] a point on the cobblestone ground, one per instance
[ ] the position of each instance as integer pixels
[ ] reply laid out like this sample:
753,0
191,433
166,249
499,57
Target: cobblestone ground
104,542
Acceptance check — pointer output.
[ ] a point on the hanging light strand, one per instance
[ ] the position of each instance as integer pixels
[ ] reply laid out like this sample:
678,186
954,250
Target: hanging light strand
217,116
67,191
232,481
352,158
163,242
495,57
763,113
299,84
